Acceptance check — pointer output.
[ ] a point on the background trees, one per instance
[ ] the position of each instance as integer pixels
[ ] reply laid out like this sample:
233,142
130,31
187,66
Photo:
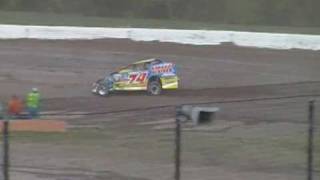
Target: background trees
245,12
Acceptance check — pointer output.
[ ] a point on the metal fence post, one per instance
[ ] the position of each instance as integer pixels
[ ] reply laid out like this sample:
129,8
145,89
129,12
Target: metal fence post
178,147
310,140
6,148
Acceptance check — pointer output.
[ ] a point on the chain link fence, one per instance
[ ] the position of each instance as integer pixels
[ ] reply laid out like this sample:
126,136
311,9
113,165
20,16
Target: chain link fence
263,139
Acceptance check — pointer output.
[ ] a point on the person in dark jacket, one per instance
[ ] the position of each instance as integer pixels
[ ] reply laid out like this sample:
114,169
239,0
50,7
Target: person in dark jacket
1,111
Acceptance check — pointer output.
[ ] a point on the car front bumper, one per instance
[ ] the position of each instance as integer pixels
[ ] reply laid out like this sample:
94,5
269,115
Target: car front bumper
95,87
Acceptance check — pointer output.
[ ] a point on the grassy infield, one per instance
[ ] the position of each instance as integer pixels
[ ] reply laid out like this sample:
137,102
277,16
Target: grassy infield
287,151
279,153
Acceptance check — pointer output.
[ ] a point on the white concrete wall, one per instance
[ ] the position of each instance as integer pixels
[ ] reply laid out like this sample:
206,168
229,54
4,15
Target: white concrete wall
194,37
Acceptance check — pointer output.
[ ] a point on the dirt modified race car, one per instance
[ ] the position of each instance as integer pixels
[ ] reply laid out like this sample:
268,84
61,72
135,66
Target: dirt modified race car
152,75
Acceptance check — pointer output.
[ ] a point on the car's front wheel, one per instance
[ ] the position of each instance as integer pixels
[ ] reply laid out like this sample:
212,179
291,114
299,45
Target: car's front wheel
154,88
102,90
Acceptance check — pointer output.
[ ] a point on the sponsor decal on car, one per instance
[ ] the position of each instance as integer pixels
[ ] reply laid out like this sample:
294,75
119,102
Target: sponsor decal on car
162,68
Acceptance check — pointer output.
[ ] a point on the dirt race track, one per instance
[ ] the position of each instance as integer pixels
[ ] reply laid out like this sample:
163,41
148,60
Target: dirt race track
219,75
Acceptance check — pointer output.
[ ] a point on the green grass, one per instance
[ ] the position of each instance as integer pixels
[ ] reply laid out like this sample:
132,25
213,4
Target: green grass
144,146
267,152
82,137
33,18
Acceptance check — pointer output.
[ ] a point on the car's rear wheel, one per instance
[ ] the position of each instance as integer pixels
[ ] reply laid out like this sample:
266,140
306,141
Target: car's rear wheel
154,88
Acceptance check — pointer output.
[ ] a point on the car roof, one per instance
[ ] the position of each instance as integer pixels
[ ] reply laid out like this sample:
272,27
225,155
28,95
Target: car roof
140,62
146,61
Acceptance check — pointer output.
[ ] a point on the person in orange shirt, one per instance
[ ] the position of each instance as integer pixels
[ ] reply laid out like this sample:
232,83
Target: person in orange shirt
15,106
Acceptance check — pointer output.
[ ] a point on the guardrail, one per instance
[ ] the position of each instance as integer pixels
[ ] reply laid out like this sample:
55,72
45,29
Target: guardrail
193,37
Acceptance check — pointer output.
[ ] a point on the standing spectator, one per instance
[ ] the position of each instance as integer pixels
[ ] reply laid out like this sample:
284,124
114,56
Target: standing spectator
1,111
33,103
15,107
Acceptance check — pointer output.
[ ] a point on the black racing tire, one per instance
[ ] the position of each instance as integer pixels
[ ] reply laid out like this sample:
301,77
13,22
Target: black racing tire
102,91
154,88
